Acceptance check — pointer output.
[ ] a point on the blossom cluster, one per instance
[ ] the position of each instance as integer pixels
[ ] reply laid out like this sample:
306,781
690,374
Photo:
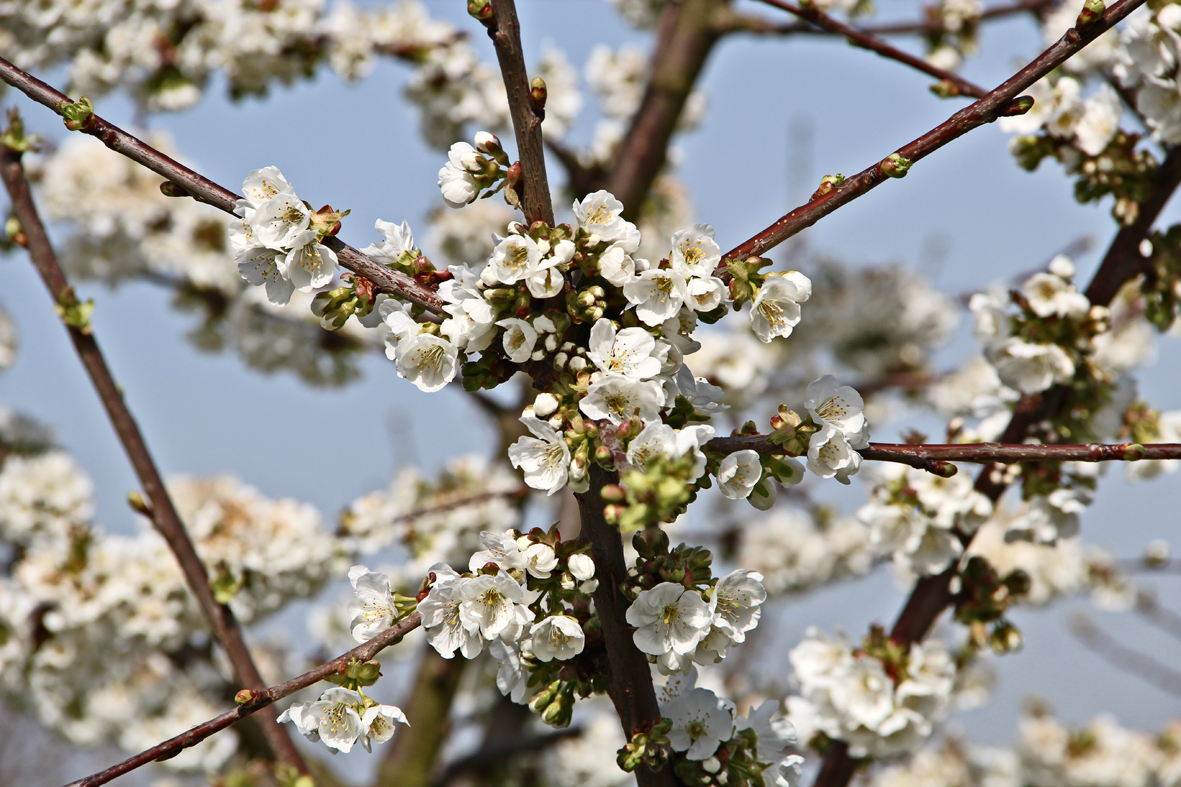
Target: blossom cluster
524,598
89,618
721,747
277,238
341,718
678,626
918,518
880,699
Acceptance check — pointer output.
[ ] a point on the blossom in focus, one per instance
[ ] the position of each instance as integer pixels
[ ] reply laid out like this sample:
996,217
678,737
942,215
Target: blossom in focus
701,722
372,605
738,473
557,637
776,309
668,618
544,458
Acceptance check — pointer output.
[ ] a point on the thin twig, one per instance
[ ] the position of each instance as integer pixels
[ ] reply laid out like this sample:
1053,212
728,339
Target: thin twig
261,699
930,26
164,516
986,110
866,41
1125,659
505,31
204,190
1163,618
934,457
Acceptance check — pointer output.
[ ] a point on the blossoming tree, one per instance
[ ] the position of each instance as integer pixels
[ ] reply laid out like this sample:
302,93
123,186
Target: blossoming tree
541,583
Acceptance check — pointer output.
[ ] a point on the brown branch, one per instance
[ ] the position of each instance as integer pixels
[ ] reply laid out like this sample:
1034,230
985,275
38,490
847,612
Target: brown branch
260,699
204,190
934,457
1124,658
931,26
1163,618
686,33
866,41
629,683
505,31
164,516
986,110
490,756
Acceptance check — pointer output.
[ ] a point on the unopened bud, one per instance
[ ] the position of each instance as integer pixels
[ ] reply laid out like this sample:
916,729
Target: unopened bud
138,504
1133,452
1018,106
1092,12
538,94
895,166
170,189
480,9
604,456
827,184
247,697
613,493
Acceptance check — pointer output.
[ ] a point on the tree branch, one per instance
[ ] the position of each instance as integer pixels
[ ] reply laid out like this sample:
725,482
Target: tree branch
1124,658
629,683
687,32
164,516
505,31
986,110
204,190
259,700
866,41
934,457
931,26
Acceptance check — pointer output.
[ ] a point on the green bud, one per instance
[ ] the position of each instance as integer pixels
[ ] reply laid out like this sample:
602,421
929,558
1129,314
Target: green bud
74,313
542,699
538,94
78,115
14,137
171,189
1092,12
559,712
827,184
604,457
247,697
1018,106
138,504
1133,452
895,166
613,493
480,9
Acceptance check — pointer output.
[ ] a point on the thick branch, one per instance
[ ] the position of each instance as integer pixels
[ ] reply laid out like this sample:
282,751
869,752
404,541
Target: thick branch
204,190
261,699
866,41
410,760
986,110
688,31
630,681
164,516
505,31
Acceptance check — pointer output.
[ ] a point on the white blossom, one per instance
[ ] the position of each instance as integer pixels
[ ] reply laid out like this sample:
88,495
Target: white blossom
309,265
457,181
629,352
333,718
617,398
557,637
428,361
838,407
668,618
776,309
372,606
1032,367
377,725
488,603
519,339
656,294
831,456
601,214
738,473
737,600
701,722
695,252
442,620
581,566
545,457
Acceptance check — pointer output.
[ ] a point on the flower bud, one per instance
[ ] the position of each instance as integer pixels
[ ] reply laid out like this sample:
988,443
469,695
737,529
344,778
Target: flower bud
827,184
544,405
538,94
171,189
138,504
612,493
1092,12
1018,106
895,166
581,565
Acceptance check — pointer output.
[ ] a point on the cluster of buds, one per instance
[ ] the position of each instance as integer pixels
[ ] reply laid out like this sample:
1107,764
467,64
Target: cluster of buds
649,746
983,598
735,764
1120,170
1161,286
657,563
334,307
